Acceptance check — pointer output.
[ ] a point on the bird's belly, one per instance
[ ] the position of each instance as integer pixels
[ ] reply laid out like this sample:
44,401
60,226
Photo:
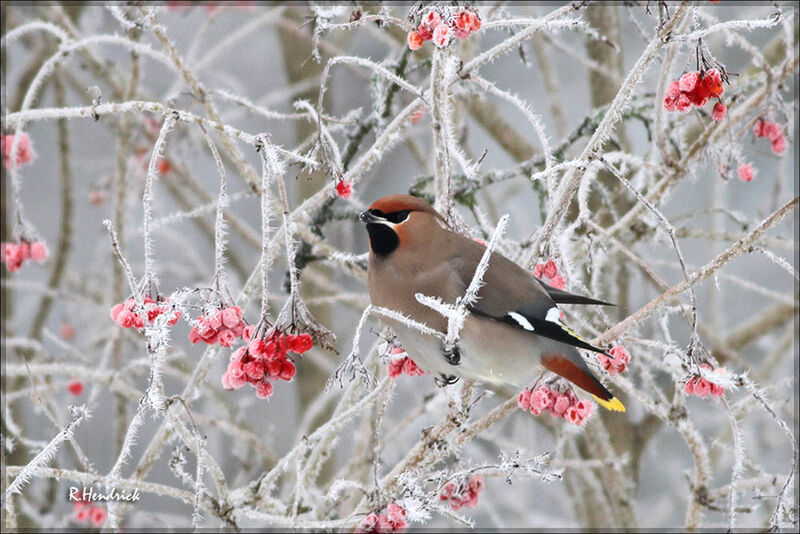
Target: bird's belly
491,352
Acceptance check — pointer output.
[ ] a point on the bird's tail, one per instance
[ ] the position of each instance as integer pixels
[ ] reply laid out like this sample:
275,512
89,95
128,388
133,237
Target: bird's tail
613,404
569,364
560,296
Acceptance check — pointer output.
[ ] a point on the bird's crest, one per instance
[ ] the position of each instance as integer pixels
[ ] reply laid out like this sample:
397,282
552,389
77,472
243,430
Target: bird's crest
399,202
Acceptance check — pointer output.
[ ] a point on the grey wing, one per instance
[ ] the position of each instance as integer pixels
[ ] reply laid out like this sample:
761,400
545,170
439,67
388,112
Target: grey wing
512,295
507,286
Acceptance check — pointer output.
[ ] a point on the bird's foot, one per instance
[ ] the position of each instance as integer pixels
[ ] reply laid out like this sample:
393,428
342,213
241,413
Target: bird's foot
452,355
444,380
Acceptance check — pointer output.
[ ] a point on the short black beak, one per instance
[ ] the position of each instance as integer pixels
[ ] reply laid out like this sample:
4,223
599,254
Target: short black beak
368,217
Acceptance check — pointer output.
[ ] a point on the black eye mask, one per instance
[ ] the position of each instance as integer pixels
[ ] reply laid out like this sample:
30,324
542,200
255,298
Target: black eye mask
395,217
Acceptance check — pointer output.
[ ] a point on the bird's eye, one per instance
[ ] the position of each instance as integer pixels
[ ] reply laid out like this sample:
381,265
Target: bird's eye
377,213
397,216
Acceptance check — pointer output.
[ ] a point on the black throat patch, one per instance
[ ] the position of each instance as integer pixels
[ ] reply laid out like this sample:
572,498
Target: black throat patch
382,239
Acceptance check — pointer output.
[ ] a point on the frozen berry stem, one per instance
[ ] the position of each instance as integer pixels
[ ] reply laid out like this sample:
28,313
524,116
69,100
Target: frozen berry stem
219,220
147,201
267,171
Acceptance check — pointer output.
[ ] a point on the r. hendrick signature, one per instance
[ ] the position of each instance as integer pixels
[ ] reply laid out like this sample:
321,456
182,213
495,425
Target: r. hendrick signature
89,495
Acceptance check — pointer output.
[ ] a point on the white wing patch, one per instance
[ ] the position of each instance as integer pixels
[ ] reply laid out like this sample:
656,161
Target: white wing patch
522,321
554,315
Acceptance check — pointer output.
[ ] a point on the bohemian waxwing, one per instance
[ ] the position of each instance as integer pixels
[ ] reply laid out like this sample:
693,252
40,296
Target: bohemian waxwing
512,333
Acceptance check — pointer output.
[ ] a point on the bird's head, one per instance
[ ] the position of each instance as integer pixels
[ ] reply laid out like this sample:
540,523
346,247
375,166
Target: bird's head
396,220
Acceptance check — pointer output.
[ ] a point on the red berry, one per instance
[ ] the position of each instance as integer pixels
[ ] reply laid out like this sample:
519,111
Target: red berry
772,130
82,514
558,282
432,19
550,270
746,172
463,21
98,515
441,35
263,390
410,367
257,348
24,149
414,40
779,145
344,189
425,33
75,387
670,103
683,103
301,343
254,370
395,368
688,81
476,23
67,332
524,399
673,90
719,111
163,166
713,82
226,337
288,370
38,251
699,96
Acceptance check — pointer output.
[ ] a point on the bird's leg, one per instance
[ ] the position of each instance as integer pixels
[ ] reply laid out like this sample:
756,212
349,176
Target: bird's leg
452,354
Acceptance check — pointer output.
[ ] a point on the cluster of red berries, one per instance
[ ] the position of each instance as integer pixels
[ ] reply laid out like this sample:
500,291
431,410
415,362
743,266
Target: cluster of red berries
550,271
75,387
465,493
344,189
434,28
24,149
618,361
403,364
221,326
565,405
394,520
127,316
701,387
14,254
695,89
774,134
84,512
263,360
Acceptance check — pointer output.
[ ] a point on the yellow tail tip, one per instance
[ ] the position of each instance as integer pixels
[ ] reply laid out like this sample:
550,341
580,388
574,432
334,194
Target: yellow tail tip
613,404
